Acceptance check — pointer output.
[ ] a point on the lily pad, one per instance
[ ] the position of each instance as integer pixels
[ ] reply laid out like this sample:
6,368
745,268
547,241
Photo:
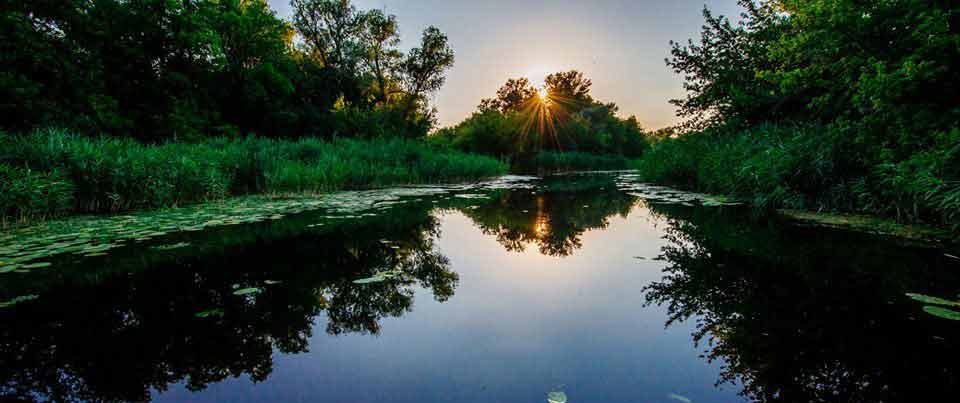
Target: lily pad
210,313
942,312
926,299
172,246
17,300
247,291
38,265
557,397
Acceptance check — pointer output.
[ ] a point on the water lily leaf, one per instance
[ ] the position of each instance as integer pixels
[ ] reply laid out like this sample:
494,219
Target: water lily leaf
942,312
38,265
210,313
557,397
926,299
17,300
247,291
9,268
172,246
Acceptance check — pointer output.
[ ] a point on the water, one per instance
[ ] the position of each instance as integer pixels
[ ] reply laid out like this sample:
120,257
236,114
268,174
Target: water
504,292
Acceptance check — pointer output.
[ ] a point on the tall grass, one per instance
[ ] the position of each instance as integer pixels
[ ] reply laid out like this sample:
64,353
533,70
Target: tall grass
814,167
52,172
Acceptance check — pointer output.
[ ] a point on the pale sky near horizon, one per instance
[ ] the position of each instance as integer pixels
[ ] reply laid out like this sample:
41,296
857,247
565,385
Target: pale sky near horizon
619,44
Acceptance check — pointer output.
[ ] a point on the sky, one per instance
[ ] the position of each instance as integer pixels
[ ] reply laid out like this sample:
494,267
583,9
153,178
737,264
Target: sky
619,44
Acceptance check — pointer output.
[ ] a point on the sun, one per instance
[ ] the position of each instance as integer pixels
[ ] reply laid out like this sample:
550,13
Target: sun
543,94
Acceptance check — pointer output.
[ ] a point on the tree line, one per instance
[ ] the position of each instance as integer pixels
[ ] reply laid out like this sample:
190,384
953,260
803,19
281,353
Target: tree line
185,69
523,121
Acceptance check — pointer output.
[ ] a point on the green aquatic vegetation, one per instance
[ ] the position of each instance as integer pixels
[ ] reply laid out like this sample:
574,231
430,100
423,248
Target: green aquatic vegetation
18,300
38,265
93,236
248,291
179,245
556,397
382,276
942,312
211,313
936,306
926,299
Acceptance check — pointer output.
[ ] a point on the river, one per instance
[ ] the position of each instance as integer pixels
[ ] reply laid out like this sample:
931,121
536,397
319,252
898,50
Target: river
583,287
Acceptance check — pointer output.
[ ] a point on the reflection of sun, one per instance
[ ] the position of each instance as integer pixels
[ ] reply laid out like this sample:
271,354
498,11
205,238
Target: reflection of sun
542,227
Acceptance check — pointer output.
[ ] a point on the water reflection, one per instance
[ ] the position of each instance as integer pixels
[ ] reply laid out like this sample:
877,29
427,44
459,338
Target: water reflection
130,333
801,315
788,314
555,215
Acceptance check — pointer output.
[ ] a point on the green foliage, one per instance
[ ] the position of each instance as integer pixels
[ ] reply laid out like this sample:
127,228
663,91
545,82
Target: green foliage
806,166
183,70
873,84
25,193
52,172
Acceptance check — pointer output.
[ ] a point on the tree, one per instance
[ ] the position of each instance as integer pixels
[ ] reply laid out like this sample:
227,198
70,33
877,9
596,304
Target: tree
570,89
720,71
330,28
424,67
381,58
513,96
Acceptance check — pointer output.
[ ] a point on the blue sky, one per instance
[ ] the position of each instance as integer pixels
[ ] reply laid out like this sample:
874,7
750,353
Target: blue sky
619,44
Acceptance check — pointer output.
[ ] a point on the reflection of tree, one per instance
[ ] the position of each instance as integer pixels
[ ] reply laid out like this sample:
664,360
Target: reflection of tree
117,340
555,217
821,320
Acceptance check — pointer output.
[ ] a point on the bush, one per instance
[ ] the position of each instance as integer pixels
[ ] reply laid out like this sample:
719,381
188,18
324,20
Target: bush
813,167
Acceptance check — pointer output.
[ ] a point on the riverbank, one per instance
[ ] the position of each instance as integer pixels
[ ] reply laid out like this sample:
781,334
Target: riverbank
53,173
813,168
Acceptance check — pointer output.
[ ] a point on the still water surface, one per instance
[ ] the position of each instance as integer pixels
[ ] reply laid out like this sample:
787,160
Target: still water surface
502,292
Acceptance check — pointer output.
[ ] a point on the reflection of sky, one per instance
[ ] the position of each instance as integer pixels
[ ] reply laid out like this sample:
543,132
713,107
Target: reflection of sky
620,44
519,326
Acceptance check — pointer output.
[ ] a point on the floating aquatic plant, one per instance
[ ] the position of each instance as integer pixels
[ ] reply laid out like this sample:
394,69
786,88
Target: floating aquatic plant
248,291
936,306
179,245
210,313
379,277
557,397
17,300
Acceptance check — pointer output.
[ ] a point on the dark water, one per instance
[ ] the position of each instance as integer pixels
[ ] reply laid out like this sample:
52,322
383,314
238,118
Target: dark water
563,284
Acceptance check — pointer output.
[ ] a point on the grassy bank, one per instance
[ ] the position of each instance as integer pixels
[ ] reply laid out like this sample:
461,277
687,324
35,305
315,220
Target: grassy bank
814,168
51,172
